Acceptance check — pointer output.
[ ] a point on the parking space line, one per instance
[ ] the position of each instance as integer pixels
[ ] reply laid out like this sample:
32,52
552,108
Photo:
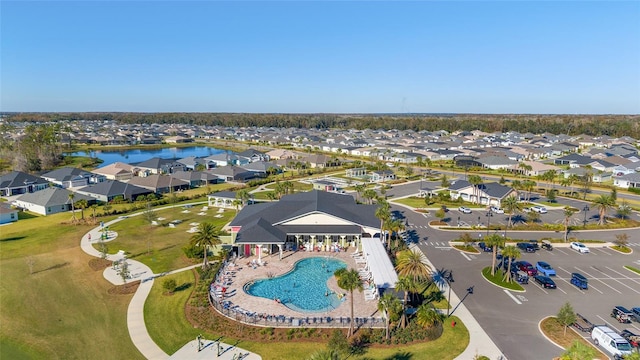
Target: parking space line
633,325
614,279
540,287
609,324
512,297
623,275
567,271
465,256
595,278
561,251
571,285
601,250
595,288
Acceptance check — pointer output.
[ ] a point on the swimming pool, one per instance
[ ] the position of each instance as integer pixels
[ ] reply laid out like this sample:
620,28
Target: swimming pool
304,288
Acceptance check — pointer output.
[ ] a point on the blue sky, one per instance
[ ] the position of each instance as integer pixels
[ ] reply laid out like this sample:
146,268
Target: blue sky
301,56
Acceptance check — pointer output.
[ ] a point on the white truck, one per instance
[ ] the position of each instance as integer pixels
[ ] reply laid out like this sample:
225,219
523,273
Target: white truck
610,340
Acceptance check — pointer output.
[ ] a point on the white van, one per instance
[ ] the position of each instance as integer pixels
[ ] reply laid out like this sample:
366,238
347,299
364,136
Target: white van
610,340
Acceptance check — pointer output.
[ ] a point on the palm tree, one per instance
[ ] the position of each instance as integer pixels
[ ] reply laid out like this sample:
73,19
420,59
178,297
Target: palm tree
94,208
206,237
579,351
525,167
603,202
370,194
349,280
407,285
494,241
395,226
428,316
475,180
412,263
383,212
529,185
511,205
390,306
512,253
73,207
568,212
243,196
359,190
82,204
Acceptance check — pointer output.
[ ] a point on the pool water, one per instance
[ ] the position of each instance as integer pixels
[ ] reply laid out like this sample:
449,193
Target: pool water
304,288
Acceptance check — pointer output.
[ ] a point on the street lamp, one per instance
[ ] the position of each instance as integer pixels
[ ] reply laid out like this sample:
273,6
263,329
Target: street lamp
469,291
585,209
489,215
458,221
478,220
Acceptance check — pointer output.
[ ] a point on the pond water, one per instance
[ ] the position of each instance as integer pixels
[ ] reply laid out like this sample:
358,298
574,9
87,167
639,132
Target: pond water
138,155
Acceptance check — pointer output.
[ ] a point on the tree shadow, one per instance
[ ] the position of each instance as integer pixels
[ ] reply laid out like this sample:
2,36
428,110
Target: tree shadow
56,266
182,287
13,238
22,215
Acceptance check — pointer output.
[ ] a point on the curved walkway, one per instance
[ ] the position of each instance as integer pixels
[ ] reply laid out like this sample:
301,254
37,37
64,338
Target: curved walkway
135,312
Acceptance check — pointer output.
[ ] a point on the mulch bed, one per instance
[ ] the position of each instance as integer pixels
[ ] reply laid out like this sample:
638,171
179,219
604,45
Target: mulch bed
124,289
97,264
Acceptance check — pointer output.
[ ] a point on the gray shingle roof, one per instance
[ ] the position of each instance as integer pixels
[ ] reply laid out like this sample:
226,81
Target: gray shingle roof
52,196
18,179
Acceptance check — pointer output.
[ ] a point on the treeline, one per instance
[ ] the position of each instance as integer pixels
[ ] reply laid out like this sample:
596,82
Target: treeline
594,125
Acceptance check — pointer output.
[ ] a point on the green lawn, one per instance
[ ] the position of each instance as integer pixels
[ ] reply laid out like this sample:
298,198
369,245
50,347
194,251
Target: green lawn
497,280
160,247
63,309
636,270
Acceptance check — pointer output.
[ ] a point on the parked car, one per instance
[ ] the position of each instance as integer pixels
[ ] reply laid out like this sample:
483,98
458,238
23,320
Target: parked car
545,281
636,313
631,337
464,210
526,210
610,340
528,268
535,245
546,244
496,210
539,209
579,247
580,281
484,247
622,314
545,269
526,247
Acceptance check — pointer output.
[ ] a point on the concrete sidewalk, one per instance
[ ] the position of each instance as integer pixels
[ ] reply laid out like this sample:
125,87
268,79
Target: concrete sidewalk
479,341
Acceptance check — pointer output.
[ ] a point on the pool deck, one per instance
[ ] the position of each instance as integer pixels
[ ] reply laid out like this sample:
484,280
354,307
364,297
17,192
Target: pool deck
275,267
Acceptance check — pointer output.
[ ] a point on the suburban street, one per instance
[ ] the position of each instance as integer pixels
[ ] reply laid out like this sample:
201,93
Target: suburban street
511,318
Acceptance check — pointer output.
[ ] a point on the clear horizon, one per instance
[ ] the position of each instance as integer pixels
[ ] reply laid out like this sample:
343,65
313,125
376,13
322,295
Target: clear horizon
305,57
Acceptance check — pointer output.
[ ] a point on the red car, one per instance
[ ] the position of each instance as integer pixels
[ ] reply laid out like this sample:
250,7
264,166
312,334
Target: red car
528,268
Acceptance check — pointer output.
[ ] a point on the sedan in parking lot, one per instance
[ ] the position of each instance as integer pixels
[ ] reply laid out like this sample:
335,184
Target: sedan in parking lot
579,247
545,282
464,210
539,209
496,210
545,269
528,268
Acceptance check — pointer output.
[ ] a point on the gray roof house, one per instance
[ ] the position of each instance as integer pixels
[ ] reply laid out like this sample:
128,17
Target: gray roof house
627,181
486,194
160,184
7,214
191,162
50,201
18,182
70,177
234,173
110,189
158,165
196,178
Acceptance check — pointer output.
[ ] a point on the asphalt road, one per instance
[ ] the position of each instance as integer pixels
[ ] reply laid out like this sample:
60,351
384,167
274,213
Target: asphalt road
510,318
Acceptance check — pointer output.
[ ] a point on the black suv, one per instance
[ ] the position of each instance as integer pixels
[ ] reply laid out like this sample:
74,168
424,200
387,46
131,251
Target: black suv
526,247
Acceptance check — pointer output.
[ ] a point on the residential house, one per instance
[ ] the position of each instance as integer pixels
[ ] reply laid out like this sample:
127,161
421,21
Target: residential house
597,176
496,162
226,159
117,171
157,166
263,167
196,178
253,155
192,163
326,185
381,176
277,154
178,140
234,174
627,181
18,182
70,177
7,214
573,160
537,168
50,201
108,190
160,184
486,194
317,160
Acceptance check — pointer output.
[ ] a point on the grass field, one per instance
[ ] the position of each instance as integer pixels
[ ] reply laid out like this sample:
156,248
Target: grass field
63,309
552,328
497,279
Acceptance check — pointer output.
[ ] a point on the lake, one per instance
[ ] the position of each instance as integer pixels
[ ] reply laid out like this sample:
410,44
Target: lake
138,155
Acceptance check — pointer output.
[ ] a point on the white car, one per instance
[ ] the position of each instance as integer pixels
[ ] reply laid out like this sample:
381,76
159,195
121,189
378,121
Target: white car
526,210
539,209
464,210
579,247
496,210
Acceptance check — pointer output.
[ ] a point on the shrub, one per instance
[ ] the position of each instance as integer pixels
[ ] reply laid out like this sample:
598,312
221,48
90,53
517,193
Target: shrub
169,285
